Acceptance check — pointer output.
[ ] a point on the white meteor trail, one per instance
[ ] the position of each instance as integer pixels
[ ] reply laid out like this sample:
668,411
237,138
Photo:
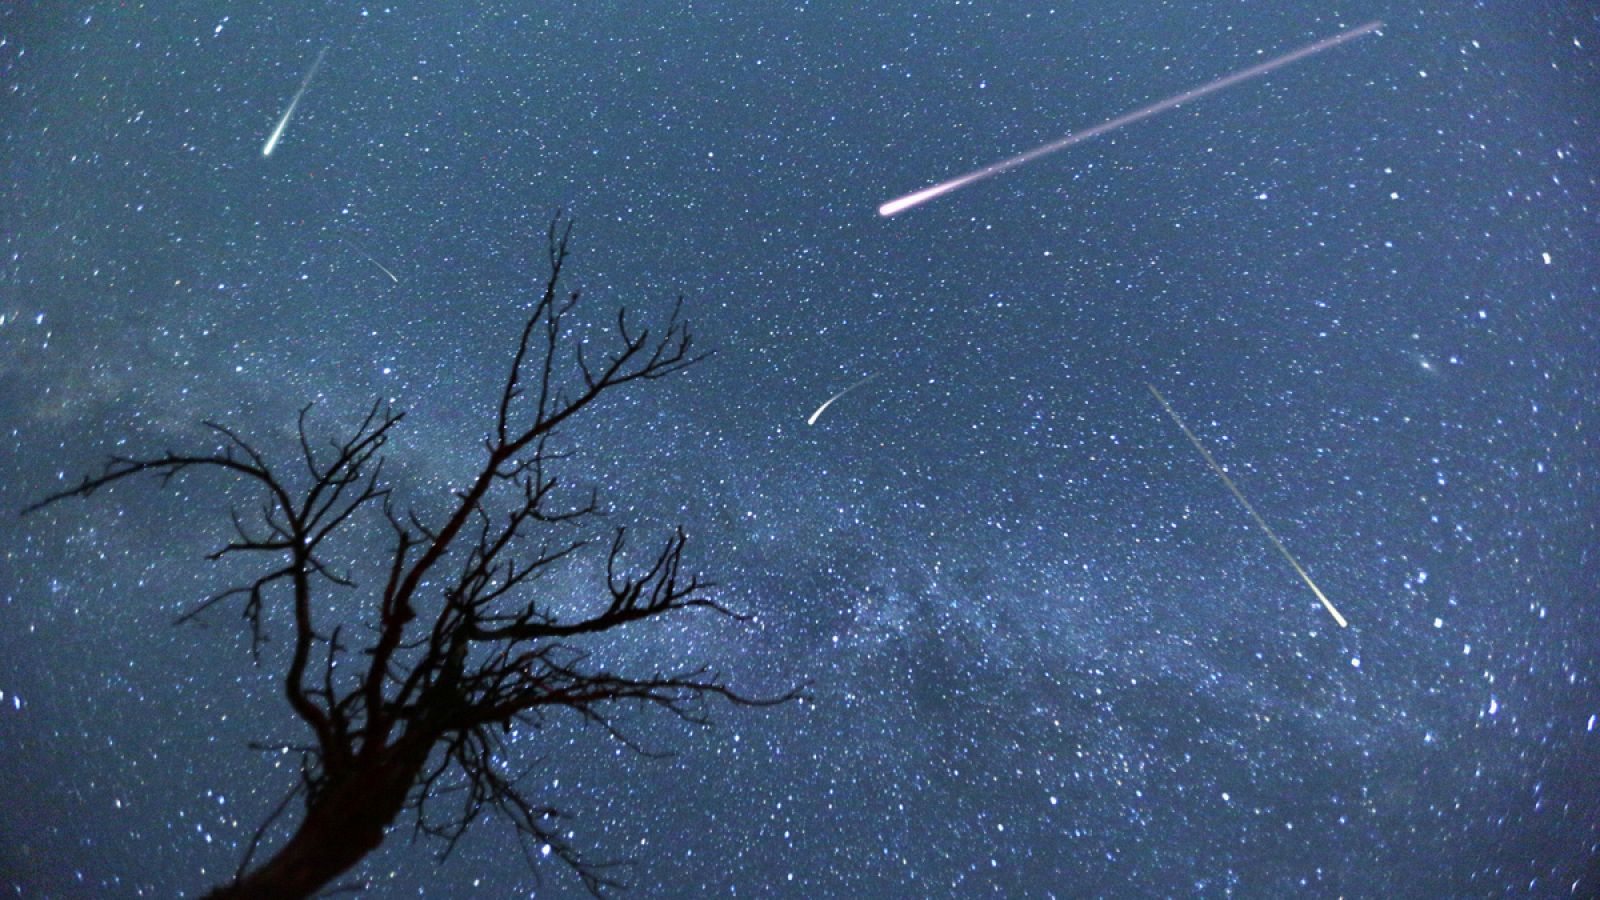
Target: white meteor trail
385,270
373,260
277,133
1300,570
813,419
901,204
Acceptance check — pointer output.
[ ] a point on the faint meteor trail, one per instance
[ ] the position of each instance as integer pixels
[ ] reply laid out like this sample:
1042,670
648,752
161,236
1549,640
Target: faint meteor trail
373,260
385,270
277,133
901,204
1252,510
813,419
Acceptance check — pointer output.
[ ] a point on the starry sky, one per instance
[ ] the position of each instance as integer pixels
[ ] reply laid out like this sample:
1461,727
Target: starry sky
1050,654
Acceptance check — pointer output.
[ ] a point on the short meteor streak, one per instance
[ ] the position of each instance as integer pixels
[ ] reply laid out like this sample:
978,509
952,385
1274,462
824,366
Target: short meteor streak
277,133
385,270
1252,510
372,260
813,419
900,205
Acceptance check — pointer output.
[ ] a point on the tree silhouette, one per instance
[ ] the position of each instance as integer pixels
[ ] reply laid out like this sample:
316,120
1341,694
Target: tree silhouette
458,648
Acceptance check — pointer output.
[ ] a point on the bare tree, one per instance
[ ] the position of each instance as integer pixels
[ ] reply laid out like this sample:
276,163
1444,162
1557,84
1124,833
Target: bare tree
458,649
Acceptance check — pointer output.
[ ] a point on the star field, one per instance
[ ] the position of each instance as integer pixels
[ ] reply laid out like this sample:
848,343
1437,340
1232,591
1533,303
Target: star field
1049,653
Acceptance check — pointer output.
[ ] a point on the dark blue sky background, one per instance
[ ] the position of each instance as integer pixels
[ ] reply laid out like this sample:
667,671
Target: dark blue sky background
1051,654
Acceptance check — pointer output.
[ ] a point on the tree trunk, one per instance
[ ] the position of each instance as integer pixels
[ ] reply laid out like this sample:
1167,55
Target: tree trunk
346,824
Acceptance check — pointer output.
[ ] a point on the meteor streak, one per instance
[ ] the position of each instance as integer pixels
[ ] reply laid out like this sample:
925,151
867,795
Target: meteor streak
372,260
1251,509
277,133
813,419
901,204
385,270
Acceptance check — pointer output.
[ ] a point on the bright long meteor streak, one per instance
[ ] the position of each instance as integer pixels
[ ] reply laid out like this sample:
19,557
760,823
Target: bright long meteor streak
1300,570
277,133
901,204
829,401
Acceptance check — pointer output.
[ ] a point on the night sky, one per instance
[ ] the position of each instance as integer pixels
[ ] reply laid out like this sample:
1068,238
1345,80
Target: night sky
1050,654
